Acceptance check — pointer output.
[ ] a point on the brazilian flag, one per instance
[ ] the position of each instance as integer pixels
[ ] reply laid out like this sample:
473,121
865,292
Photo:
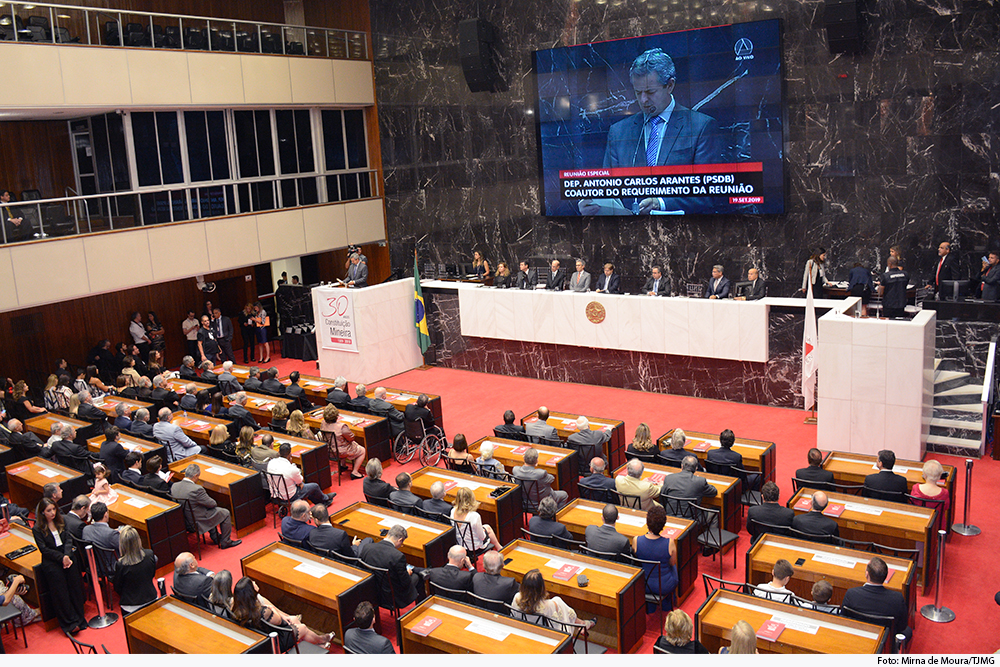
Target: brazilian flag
419,314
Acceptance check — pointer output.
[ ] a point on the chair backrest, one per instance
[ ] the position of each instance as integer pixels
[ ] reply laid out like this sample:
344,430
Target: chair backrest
595,493
288,638
652,569
459,465
849,489
402,507
536,619
289,541
106,560
277,429
758,528
521,437
603,555
812,537
798,483
895,552
493,473
82,648
645,457
531,494
625,500
414,430
450,593
387,595
878,494
719,468
496,606
860,545
679,506
715,583
281,489
937,504
875,619
189,521
464,535
380,502
432,516
195,600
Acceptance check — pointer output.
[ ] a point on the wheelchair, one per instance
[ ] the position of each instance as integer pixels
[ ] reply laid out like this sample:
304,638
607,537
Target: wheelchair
414,440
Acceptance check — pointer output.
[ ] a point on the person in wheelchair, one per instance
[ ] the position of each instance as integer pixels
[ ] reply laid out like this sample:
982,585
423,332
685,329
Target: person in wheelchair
418,411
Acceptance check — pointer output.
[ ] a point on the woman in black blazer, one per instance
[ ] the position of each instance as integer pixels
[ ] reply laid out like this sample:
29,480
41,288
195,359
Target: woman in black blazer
62,576
135,572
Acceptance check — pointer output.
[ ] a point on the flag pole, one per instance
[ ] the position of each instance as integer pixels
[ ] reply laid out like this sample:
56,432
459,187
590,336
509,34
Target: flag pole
810,341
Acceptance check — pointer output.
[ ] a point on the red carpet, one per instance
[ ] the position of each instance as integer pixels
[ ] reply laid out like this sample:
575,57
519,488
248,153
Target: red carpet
473,403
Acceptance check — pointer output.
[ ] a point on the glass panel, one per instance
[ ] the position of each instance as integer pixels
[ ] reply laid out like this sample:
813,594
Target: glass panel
263,196
303,139
289,198
84,154
221,36
333,140
246,144
197,146
219,143
316,43
337,43
179,205
365,182
243,192
170,147
155,207
136,31
195,35
265,147
284,119
147,162
349,186
308,192
357,46
119,152
247,39
270,39
70,26
295,39
332,188
354,127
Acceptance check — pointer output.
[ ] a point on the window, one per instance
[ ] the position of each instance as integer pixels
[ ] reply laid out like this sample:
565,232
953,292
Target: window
295,149
157,144
208,155
254,148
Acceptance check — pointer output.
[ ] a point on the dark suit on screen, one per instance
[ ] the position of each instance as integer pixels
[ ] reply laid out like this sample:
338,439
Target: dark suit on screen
611,284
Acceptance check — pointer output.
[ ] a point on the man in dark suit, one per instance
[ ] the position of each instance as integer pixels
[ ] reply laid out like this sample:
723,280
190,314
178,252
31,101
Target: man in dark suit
419,410
725,456
189,399
609,282
328,537
357,274
253,382
207,374
296,392
489,584
271,385
557,279
814,522
508,427
756,290
402,494
674,455
163,394
189,579
209,517
587,442
526,278
223,327
238,411
657,285
769,512
187,370
361,402
544,524
26,445
69,453
133,468
817,477
152,478
228,384
98,531
885,484
123,420
382,408
338,396
718,286
946,267
404,582
436,504
88,411
597,478
141,425
874,598
112,453
543,488
76,517
539,427
456,574
665,133
296,525
362,638
685,484
605,538
990,277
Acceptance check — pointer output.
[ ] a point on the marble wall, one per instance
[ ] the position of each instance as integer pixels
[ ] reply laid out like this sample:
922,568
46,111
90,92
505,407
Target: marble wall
896,146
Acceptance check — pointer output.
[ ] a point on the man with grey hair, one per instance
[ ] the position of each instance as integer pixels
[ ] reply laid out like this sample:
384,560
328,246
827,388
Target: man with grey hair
140,425
173,436
187,370
361,402
665,133
685,484
76,517
632,484
162,393
718,286
587,442
207,374
87,410
675,453
26,444
143,392
357,275
382,408
188,400
489,584
208,516
228,384
122,416
456,574
253,382
436,504
238,411
542,488
55,434
271,385
189,579
402,585
67,452
296,525
338,394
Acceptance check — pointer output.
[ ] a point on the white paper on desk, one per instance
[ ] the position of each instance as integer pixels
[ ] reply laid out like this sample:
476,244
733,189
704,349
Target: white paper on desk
45,472
218,471
864,509
130,447
135,502
310,569
666,212
557,564
488,630
796,623
830,559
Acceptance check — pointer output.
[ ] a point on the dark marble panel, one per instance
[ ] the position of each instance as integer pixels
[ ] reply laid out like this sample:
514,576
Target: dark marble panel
964,346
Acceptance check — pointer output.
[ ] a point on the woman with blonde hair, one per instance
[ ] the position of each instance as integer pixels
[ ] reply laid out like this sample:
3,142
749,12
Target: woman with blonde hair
219,439
55,398
340,440
74,405
642,443
465,510
929,488
135,572
676,637
279,415
743,642
297,426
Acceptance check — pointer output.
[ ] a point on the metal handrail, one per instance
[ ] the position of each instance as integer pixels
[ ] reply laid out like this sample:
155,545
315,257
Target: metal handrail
989,395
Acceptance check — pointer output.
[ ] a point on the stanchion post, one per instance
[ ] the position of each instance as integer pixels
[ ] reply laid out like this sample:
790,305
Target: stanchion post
900,640
161,586
935,612
967,528
103,618
275,647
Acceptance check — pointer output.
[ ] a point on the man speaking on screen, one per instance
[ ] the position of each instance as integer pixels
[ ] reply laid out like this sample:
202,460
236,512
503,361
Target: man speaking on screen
665,133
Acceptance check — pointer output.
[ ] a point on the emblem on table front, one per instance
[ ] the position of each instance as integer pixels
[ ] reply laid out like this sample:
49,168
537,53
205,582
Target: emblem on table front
596,312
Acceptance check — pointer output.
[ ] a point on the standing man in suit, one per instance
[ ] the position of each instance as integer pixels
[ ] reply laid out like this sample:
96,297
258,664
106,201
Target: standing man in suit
665,133
209,517
756,289
580,280
527,278
357,275
874,598
657,285
814,522
609,282
718,286
404,582
228,384
489,584
223,327
632,484
814,472
587,442
338,395
769,512
362,638
892,289
557,278
947,266
540,428
605,538
990,277
885,484
685,484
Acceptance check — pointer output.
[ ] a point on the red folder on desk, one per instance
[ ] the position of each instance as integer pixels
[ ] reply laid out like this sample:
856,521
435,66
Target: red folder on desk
425,626
566,572
521,449
701,446
834,510
449,485
656,478
804,504
771,630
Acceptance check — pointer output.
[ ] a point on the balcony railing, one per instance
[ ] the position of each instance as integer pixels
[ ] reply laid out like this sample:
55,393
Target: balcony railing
67,24
67,216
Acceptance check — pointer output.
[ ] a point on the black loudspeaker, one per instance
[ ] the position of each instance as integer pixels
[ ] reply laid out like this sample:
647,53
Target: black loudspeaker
477,50
843,25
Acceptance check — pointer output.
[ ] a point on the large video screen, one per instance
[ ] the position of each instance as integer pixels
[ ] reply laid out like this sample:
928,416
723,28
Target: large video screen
680,123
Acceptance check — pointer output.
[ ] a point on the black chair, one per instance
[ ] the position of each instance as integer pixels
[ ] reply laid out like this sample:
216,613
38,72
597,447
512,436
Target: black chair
190,525
895,552
539,440
530,494
848,489
812,537
289,541
713,584
82,648
887,622
277,429
552,540
112,36
679,506
380,502
890,496
520,437
596,493
333,555
750,483
403,508
653,570
450,593
432,516
798,484
645,457
330,438
172,37
292,640
282,492
492,473
496,606
625,500
195,39
604,555
757,529
10,617
460,465
577,631
711,535
941,521
859,545
466,537
383,582
195,600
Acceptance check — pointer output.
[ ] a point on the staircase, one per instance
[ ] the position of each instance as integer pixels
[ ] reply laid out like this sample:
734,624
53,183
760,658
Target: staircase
957,421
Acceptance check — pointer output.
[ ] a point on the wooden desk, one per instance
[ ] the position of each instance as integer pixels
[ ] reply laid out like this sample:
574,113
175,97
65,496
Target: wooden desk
561,463
887,523
400,398
616,593
160,523
314,386
107,405
850,468
199,427
177,385
565,426
42,427
715,619
239,490
7,457
171,626
27,478
323,591
312,457
260,405
580,513
28,565
369,431
843,568
145,447
759,455
467,629
504,513
239,371
427,543
727,499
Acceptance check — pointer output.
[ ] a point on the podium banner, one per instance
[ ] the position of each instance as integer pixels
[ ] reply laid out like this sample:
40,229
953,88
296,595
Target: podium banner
337,326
